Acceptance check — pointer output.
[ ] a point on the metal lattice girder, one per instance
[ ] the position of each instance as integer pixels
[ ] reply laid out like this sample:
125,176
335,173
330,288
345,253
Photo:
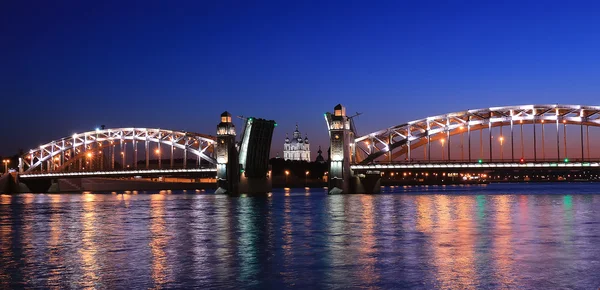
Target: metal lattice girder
395,139
196,144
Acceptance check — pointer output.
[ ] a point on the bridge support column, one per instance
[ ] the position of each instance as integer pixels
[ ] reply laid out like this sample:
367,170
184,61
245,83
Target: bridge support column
227,157
341,139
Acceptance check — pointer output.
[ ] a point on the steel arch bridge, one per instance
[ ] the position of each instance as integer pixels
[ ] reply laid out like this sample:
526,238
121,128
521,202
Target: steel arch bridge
390,144
59,154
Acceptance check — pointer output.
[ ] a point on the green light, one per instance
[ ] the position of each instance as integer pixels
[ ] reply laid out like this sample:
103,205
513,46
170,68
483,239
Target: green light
250,118
553,164
480,161
275,124
566,160
568,201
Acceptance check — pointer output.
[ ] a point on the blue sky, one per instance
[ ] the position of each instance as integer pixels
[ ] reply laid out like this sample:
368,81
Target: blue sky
70,66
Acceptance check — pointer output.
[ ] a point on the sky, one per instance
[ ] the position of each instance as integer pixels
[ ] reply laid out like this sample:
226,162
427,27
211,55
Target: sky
71,66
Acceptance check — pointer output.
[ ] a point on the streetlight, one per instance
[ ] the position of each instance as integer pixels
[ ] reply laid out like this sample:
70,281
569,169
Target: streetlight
286,176
443,141
6,161
157,151
501,151
89,156
306,177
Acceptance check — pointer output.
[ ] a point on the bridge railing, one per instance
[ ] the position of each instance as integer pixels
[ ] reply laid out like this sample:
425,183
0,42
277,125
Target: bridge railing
444,161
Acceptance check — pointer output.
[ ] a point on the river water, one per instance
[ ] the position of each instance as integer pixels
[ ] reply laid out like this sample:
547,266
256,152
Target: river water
544,236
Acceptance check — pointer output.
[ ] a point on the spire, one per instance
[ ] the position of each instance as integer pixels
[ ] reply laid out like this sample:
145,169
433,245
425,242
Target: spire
297,133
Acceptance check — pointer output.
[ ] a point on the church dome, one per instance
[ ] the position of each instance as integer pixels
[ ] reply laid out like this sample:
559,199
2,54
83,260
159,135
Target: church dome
306,139
296,147
320,158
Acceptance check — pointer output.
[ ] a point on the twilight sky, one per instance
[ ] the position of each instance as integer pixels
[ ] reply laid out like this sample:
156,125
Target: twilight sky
70,66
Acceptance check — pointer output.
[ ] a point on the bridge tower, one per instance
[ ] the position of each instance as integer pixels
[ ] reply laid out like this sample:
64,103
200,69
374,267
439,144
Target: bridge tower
227,157
341,139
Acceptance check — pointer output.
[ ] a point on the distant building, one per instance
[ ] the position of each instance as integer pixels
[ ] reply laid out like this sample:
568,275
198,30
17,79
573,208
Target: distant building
320,158
296,148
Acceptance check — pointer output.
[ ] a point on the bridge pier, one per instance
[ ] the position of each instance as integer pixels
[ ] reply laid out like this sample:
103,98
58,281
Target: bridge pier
341,138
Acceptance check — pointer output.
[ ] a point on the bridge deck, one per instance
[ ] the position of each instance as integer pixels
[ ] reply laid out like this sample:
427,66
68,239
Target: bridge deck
117,173
457,165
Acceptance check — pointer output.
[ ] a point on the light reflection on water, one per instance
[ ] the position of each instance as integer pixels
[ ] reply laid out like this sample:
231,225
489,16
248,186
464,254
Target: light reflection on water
448,237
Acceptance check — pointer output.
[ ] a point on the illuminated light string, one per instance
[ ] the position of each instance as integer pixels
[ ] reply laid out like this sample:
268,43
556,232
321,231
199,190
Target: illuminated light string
477,165
128,172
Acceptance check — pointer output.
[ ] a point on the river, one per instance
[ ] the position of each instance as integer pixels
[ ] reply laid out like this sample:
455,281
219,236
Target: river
544,236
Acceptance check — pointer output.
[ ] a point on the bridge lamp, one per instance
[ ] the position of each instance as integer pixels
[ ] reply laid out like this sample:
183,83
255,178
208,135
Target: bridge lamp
157,151
566,160
443,141
480,161
501,147
6,161
89,155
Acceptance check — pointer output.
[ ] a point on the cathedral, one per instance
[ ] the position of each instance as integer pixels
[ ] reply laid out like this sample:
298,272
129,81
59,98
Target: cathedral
296,148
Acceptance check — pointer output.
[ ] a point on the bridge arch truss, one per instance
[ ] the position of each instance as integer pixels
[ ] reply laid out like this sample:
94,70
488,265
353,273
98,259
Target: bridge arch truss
389,144
57,155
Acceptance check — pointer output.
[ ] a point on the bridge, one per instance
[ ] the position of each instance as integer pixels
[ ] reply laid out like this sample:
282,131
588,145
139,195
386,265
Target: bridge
525,138
132,155
496,141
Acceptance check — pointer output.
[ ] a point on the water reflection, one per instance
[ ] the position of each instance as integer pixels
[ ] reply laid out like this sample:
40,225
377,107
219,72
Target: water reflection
158,240
89,248
503,254
248,241
301,239
367,251
55,253
7,259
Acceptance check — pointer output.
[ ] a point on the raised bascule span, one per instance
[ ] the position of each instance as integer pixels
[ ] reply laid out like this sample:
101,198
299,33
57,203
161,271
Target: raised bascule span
357,160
